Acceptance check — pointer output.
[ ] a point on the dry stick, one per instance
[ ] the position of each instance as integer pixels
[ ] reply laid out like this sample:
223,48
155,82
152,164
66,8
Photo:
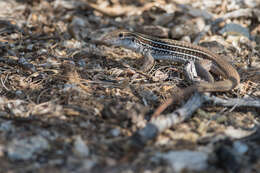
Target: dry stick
162,107
247,12
240,102
161,123
180,95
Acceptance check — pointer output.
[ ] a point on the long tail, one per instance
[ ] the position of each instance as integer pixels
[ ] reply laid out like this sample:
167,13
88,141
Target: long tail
219,86
180,95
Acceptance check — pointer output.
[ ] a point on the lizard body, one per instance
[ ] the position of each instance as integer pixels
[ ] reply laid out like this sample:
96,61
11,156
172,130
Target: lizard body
166,49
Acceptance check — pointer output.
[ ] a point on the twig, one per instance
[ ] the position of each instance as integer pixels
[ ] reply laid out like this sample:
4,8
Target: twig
3,84
162,107
239,13
177,96
161,123
238,102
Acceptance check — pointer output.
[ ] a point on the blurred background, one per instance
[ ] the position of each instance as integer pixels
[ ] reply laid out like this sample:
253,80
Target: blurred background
69,104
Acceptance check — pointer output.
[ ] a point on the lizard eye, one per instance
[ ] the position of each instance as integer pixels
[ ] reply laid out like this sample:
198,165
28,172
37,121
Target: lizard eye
120,35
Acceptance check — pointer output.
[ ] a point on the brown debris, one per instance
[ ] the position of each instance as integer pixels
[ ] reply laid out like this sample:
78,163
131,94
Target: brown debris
69,104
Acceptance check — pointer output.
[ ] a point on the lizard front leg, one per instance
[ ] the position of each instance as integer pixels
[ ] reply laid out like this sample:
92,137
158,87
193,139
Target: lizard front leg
148,62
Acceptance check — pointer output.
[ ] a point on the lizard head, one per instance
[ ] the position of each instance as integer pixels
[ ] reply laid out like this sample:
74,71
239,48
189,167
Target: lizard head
121,37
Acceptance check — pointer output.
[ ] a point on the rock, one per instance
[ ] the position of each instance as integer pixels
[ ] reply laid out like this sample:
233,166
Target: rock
235,29
155,30
160,76
191,160
115,132
186,29
228,159
80,148
237,133
251,3
26,149
6,126
67,4
87,165
240,148
79,28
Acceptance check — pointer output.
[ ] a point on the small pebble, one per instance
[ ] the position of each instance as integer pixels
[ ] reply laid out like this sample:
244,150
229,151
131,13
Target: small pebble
80,147
26,149
185,159
115,132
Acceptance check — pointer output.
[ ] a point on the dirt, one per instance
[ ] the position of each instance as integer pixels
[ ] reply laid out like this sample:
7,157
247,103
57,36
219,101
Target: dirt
69,104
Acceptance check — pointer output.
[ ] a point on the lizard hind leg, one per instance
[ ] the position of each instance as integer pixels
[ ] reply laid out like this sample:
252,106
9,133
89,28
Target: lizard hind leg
197,71
193,70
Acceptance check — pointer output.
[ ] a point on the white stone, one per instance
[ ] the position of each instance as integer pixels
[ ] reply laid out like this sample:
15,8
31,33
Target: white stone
80,148
240,147
191,160
26,149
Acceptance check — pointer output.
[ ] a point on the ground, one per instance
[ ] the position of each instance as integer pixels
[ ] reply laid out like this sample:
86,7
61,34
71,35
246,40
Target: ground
70,104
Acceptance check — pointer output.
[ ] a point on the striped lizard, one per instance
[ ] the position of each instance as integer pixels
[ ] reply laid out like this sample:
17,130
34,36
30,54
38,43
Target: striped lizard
166,49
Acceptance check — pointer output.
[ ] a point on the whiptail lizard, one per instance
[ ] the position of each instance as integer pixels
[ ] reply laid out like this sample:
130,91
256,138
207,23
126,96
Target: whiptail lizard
165,49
